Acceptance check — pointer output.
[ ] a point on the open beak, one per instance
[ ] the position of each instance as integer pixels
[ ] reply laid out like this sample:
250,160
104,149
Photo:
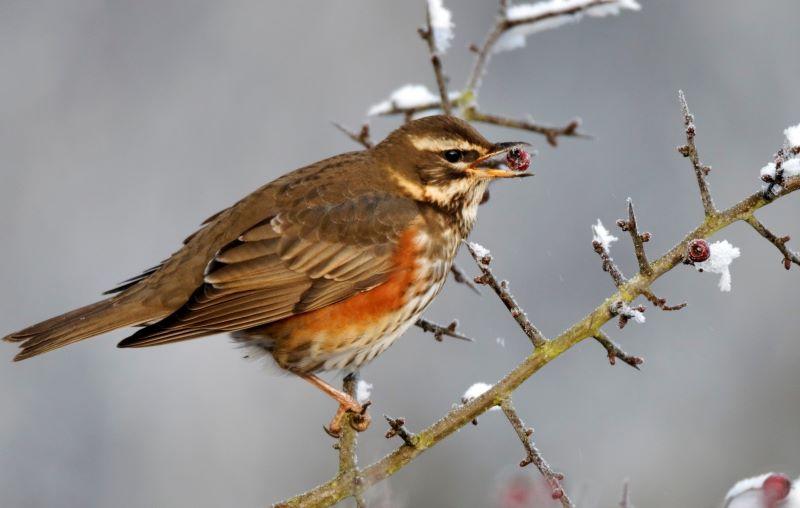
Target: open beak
492,173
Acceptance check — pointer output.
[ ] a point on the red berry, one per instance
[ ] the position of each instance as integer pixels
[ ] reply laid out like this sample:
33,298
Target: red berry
698,250
518,159
776,487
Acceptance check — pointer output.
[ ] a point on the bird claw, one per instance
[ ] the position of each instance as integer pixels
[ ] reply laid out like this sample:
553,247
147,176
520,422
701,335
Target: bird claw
359,421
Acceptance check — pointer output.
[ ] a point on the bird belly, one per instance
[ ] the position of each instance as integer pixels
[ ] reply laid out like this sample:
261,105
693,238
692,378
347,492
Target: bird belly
350,333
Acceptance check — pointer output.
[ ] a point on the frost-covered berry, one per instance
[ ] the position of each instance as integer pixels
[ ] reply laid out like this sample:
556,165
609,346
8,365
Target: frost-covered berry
698,250
518,159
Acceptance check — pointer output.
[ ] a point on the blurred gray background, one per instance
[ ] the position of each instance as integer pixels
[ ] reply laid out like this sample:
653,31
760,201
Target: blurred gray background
124,124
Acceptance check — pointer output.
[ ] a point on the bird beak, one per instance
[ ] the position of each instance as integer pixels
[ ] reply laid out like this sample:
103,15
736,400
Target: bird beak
492,172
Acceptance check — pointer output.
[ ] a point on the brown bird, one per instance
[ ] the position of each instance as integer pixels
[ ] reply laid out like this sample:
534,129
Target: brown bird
322,268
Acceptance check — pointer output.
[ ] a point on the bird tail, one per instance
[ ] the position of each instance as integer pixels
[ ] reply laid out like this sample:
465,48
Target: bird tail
83,323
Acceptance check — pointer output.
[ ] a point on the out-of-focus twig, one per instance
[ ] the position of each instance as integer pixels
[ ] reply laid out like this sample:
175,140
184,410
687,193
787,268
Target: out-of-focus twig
533,455
459,275
436,61
361,137
550,133
440,331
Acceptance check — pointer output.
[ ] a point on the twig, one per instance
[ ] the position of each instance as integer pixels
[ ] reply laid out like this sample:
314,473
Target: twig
690,150
615,352
533,455
638,239
440,331
626,495
348,458
608,264
459,275
550,133
397,427
780,242
436,61
501,290
361,137
661,303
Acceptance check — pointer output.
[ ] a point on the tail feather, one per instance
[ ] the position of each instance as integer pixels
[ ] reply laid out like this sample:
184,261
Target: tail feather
95,319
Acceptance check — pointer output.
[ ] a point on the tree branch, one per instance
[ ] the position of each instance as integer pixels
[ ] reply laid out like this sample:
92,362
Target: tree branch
533,456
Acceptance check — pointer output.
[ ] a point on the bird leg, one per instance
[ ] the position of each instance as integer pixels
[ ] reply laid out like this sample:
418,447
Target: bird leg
360,420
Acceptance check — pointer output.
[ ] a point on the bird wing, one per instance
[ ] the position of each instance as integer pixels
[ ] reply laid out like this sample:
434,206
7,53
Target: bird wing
290,263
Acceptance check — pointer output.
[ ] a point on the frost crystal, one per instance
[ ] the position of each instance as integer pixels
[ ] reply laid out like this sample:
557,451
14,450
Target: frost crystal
553,14
722,255
793,135
363,391
479,250
602,236
631,313
407,96
441,24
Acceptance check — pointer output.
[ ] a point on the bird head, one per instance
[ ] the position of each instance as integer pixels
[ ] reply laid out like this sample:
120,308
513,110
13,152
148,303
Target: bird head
444,161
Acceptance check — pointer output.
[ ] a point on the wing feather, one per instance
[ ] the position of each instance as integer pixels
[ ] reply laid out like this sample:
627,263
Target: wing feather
288,264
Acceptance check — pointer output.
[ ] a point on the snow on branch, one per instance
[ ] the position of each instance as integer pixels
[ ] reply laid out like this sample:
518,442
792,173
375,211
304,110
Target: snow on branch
528,19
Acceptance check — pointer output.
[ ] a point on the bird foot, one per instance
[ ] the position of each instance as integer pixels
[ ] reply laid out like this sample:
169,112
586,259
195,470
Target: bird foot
359,420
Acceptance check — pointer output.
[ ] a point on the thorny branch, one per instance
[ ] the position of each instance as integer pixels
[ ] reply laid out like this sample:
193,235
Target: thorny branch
550,133
689,150
533,456
615,352
548,350
397,427
638,239
780,242
501,290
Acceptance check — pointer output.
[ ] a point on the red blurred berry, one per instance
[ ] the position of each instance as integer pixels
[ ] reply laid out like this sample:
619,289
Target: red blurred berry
518,159
698,250
776,487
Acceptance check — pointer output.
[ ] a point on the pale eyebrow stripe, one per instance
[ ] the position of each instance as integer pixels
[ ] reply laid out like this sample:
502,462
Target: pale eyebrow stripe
442,144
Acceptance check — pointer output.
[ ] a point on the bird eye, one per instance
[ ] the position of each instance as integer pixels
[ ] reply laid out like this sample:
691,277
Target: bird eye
453,155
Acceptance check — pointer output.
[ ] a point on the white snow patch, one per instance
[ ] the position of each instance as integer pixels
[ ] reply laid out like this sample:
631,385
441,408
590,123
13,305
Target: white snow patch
553,14
719,261
793,135
479,250
407,96
602,235
475,391
441,24
363,391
